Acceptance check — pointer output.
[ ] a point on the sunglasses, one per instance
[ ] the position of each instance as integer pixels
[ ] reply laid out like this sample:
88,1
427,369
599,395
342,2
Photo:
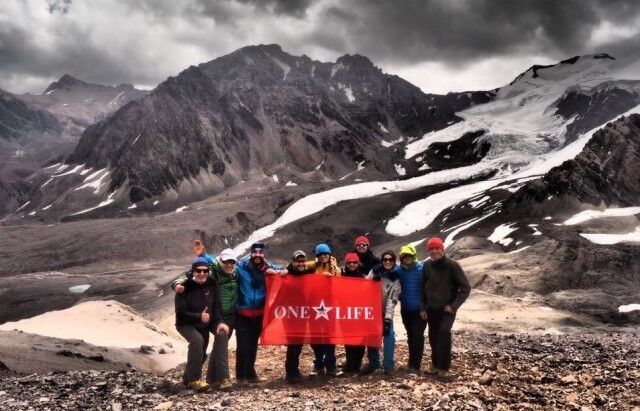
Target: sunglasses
388,259
229,262
257,251
321,254
201,271
361,245
352,262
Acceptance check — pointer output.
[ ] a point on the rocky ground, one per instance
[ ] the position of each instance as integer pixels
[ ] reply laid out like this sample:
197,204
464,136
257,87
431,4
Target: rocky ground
494,371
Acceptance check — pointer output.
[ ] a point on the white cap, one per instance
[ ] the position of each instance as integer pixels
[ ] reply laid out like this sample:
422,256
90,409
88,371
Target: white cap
226,255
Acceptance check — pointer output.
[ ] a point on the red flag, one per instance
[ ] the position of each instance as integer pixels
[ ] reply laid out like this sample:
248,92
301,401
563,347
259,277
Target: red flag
318,309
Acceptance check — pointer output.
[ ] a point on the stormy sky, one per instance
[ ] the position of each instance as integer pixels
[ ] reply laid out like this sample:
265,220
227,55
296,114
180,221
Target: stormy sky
438,45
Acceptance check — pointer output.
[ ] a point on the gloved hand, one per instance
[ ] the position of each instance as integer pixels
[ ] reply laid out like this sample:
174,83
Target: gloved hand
387,328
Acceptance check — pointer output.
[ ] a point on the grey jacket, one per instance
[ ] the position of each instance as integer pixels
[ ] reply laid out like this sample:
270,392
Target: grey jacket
390,290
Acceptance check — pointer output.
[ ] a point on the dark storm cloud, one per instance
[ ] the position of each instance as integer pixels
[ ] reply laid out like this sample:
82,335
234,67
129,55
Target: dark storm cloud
59,6
295,8
144,41
456,31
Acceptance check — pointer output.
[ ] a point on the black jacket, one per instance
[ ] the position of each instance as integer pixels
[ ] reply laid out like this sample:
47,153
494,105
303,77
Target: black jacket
368,260
193,300
443,283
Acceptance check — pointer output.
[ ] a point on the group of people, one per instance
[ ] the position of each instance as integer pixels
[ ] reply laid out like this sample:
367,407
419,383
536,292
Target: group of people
220,295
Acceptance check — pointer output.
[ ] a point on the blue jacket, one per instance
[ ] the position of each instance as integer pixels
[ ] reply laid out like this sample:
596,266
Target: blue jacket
410,287
252,288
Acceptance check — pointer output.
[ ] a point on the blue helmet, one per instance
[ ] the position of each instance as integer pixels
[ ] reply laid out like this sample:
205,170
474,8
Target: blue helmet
322,248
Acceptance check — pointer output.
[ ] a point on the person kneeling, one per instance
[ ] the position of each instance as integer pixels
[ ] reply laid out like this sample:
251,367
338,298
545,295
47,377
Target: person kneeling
197,314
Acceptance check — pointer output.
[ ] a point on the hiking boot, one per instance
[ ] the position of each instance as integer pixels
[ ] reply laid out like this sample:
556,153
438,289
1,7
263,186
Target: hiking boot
432,370
255,380
445,374
369,369
389,372
198,386
225,384
335,373
316,372
294,379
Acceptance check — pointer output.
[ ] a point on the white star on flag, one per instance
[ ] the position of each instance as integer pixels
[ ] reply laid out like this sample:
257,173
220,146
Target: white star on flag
322,311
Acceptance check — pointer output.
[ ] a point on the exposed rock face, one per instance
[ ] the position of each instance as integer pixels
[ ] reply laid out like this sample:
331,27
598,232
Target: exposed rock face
464,151
23,123
261,111
604,173
596,106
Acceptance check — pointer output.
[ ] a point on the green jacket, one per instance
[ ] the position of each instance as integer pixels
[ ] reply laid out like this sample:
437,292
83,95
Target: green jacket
228,290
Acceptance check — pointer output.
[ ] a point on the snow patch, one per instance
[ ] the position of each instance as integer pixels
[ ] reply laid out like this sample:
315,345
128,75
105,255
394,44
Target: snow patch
383,128
609,212
450,238
275,178
97,184
22,206
519,249
136,139
475,204
72,171
316,202
106,202
290,184
47,207
610,239
400,170
535,230
132,206
335,69
349,93
391,143
501,232
114,101
79,289
628,308
181,209
46,182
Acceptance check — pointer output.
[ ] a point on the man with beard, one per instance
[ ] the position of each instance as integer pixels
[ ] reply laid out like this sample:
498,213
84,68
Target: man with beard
252,290
444,288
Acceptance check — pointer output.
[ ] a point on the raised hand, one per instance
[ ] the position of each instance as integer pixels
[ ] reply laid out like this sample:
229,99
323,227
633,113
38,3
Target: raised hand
179,288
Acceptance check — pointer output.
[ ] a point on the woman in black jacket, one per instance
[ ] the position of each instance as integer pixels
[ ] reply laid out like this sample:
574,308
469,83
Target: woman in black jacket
197,314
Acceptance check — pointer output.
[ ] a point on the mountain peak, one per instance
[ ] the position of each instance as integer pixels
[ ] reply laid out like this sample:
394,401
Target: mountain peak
66,80
355,59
